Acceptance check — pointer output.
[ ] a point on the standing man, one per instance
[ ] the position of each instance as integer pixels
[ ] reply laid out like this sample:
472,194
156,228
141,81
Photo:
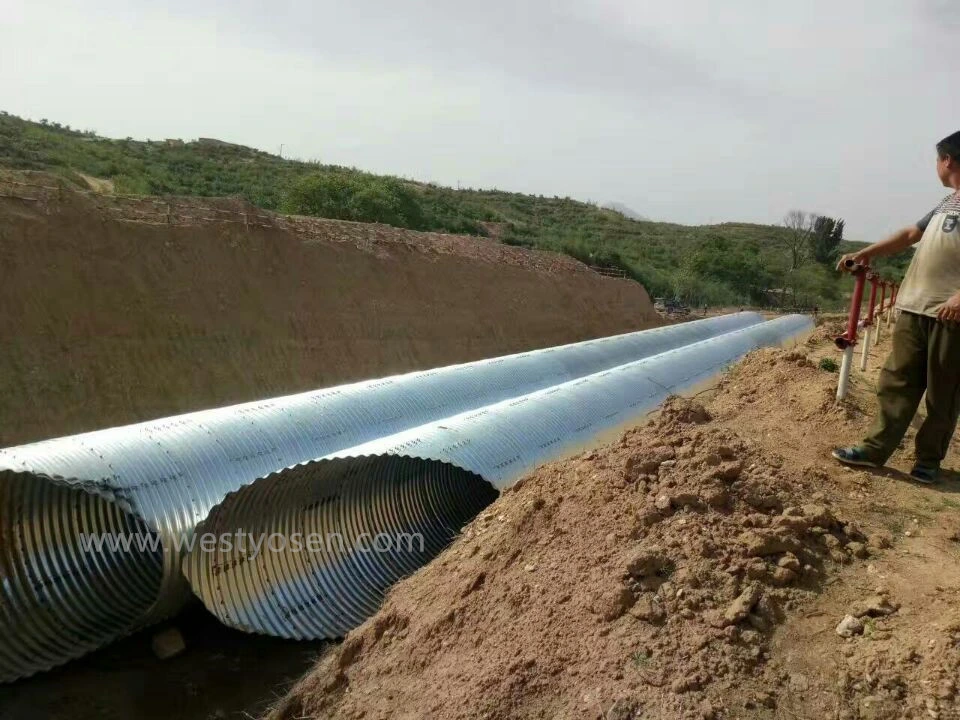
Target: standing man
926,339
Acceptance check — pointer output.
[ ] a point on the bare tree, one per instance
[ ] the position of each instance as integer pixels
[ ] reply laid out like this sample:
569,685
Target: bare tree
683,279
799,225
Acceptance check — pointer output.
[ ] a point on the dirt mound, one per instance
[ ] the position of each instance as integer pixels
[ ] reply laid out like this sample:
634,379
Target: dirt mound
640,580
714,563
122,309
788,386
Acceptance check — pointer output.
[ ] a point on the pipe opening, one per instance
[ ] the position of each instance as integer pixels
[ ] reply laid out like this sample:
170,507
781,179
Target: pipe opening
76,571
314,548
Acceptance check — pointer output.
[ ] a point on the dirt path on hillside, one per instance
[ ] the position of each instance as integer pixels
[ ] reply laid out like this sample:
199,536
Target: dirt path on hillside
697,568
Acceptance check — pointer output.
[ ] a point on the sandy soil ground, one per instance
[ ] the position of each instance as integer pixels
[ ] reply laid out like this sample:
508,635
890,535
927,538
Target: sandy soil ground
715,563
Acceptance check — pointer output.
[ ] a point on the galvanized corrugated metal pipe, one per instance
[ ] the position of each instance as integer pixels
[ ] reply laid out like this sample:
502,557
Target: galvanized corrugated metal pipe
160,478
389,488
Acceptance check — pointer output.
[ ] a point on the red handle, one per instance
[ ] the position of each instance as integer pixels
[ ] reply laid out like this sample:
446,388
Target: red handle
849,337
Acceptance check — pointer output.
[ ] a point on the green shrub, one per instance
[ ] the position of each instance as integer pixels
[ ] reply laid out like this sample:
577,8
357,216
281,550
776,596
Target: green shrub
828,364
354,196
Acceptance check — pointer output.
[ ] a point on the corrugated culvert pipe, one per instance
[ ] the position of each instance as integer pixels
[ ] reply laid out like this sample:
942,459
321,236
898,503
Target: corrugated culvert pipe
151,483
59,598
318,593
366,521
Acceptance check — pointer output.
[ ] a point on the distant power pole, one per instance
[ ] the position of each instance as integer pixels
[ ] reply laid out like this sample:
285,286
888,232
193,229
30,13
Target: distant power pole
281,149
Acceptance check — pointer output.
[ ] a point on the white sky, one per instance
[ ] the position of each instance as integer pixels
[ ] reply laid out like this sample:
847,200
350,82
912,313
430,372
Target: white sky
692,111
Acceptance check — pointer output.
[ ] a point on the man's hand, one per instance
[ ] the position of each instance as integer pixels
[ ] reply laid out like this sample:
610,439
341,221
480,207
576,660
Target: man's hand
950,310
861,257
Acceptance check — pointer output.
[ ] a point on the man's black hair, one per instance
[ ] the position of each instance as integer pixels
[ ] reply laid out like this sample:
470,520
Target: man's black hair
950,146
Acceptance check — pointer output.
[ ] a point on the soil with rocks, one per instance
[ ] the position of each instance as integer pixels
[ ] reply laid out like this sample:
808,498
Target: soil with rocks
713,563
629,579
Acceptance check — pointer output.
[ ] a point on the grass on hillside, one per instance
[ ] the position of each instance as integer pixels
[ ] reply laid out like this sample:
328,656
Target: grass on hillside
726,264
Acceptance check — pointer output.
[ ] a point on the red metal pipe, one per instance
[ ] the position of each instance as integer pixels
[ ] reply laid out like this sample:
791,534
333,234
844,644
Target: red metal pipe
874,281
883,295
895,290
849,337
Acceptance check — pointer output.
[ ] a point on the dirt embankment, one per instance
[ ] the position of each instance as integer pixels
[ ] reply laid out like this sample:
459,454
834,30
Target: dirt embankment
698,568
119,310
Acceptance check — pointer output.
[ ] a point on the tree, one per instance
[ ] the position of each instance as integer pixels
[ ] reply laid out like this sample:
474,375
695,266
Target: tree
738,266
799,225
683,279
825,239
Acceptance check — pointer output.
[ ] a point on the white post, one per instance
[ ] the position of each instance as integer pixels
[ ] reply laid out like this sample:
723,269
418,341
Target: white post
876,337
889,315
866,347
845,373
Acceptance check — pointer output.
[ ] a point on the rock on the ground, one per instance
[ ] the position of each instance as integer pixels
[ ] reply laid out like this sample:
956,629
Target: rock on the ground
783,576
740,608
762,544
614,603
790,562
858,550
819,515
879,541
850,626
645,562
875,606
648,608
623,709
168,643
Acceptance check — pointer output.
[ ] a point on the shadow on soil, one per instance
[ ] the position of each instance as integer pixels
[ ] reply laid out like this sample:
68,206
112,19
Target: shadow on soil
223,674
948,482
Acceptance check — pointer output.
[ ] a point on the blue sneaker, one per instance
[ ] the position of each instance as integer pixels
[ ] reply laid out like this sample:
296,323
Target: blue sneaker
854,455
926,474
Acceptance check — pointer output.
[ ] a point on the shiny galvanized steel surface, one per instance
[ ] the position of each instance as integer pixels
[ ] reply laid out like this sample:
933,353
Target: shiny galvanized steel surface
322,594
41,557
162,477
350,528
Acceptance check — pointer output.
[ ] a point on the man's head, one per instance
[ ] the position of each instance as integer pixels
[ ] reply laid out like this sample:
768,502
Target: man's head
948,161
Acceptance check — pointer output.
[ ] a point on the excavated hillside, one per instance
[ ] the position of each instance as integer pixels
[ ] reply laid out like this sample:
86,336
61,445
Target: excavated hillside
713,563
118,309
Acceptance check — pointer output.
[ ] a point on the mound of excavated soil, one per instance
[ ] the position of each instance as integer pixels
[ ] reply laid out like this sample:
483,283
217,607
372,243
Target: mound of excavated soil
623,583
714,563
117,310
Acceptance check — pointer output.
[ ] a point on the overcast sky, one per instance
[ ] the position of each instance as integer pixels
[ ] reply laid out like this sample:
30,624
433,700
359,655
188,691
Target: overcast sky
692,111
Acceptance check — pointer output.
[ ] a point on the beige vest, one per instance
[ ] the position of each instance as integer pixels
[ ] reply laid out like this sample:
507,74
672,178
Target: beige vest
934,274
